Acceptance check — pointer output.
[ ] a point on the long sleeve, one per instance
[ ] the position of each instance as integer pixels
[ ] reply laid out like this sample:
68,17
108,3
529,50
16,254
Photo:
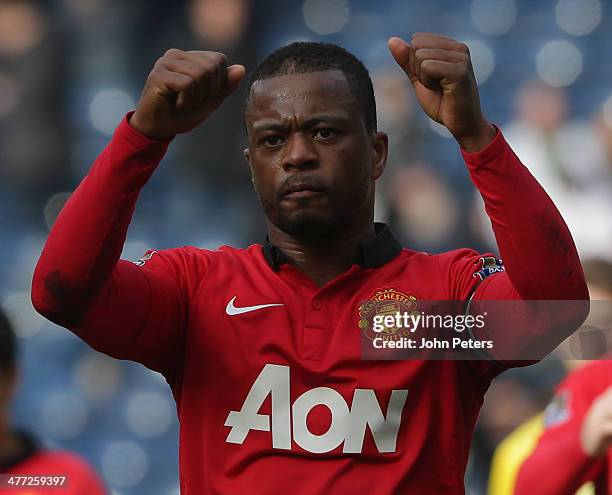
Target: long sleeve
539,254
540,259
125,310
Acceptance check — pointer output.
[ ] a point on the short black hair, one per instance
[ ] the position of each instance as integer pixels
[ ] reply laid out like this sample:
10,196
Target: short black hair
8,344
303,57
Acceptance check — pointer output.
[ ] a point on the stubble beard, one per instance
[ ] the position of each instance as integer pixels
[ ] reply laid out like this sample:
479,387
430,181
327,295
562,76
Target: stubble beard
311,226
304,223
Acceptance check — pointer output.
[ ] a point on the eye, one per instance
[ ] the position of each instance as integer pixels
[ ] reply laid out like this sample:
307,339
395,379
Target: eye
272,141
324,134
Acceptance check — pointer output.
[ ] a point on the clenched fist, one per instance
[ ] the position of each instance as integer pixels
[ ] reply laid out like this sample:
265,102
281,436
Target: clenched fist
441,73
182,90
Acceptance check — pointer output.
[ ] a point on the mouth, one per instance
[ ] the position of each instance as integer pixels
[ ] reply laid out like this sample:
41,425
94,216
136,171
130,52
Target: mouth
301,191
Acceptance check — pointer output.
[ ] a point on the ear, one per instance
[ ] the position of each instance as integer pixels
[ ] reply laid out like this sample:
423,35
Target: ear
247,156
380,151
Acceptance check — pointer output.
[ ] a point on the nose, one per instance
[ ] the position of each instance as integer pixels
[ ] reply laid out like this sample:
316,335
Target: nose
300,152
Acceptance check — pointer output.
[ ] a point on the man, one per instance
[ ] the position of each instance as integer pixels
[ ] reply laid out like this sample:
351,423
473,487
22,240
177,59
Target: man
577,436
21,456
262,346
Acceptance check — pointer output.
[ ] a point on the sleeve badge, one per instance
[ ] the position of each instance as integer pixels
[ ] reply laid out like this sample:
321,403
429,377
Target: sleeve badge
557,411
488,265
146,257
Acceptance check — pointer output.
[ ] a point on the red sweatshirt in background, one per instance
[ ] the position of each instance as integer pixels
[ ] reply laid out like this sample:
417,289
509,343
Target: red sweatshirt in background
559,465
37,463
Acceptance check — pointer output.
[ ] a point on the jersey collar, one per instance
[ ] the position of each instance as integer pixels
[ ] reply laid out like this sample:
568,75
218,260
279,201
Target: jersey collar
371,254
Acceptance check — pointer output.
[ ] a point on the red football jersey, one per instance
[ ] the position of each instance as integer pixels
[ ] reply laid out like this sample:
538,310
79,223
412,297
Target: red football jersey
559,447
271,388
80,478
272,393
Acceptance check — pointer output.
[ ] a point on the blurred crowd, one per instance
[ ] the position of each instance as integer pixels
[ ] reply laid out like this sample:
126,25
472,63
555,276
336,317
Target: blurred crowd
70,70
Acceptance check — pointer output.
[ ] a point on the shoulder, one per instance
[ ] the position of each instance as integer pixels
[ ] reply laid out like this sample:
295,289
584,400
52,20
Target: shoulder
469,263
451,265
444,258
595,374
190,267
223,256
464,263
61,458
453,274
81,475
45,461
575,394
459,255
192,257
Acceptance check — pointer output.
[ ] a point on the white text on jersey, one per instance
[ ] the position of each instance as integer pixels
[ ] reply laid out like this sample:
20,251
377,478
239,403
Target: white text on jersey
347,425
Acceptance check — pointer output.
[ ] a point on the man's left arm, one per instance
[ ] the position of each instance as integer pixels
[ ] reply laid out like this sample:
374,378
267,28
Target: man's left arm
540,258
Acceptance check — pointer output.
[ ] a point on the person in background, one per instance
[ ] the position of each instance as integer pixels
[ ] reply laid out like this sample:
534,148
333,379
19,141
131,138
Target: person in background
560,421
21,455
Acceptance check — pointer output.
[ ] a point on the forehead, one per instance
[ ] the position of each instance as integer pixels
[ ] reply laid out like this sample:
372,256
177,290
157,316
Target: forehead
300,95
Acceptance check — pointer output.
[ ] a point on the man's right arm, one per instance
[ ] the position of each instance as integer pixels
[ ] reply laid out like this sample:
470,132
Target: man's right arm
119,308
79,281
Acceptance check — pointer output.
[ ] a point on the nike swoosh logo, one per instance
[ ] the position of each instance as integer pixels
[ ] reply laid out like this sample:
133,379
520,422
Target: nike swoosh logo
232,310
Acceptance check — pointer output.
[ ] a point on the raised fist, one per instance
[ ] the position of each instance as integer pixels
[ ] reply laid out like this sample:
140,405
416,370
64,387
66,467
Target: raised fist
182,90
440,70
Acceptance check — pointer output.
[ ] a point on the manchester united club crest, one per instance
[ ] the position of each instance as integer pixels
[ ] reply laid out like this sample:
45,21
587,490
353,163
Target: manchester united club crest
385,302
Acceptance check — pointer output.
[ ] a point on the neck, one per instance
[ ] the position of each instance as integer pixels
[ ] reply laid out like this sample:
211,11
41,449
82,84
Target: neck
323,260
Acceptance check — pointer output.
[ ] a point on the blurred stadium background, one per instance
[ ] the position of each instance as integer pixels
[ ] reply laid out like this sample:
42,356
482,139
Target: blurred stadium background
70,69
